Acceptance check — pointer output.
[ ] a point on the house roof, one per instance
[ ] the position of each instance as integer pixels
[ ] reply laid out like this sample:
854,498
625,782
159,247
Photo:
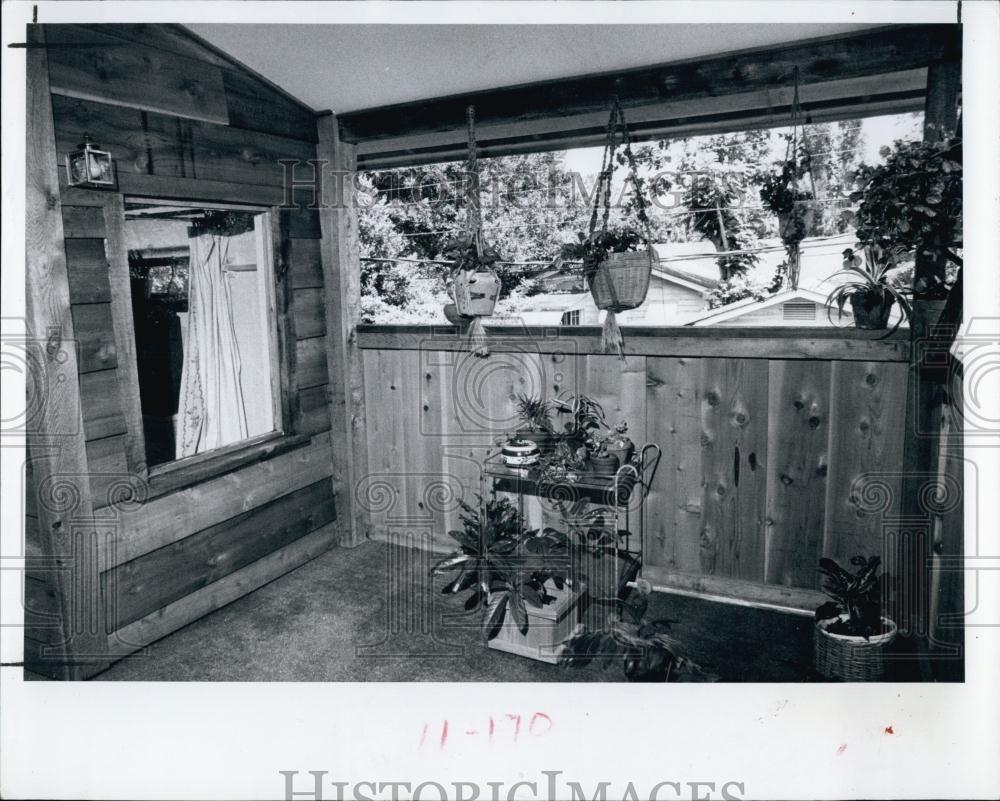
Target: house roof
749,305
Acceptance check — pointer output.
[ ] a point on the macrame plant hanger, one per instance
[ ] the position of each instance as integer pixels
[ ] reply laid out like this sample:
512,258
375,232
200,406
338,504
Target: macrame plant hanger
620,281
475,286
792,157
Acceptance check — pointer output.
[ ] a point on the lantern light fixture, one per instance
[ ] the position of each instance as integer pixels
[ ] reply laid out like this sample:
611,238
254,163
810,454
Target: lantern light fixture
90,166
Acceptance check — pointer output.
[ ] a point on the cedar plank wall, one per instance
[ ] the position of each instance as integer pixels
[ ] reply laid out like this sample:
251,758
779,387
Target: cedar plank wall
183,122
803,431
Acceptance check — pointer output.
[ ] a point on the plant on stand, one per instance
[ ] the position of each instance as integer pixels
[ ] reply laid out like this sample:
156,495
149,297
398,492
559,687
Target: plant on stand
852,632
578,439
536,416
870,289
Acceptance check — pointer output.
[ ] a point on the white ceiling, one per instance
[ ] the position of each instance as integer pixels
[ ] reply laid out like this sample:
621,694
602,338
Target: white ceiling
349,67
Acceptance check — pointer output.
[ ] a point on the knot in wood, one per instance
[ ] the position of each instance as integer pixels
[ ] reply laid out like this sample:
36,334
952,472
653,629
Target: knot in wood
712,398
814,422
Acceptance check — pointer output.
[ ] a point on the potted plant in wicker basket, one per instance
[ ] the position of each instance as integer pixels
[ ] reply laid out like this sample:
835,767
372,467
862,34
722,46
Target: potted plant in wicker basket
851,634
869,289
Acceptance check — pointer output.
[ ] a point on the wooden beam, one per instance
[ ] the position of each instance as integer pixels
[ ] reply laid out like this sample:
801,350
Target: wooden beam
925,394
539,110
116,252
341,258
57,450
748,343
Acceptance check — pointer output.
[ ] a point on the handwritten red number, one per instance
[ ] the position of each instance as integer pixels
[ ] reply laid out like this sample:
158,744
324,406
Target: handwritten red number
534,719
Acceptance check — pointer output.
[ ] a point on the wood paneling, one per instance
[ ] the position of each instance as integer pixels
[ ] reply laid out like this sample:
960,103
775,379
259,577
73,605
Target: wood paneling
218,594
87,266
145,143
108,467
152,581
168,518
257,107
83,222
101,402
310,313
762,457
95,336
306,266
798,462
310,362
314,410
92,65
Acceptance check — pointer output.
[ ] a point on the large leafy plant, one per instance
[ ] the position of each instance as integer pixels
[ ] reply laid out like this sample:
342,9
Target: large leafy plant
643,647
503,564
856,597
871,281
914,201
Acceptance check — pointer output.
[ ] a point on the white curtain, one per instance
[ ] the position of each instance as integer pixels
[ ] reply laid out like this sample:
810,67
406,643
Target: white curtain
211,411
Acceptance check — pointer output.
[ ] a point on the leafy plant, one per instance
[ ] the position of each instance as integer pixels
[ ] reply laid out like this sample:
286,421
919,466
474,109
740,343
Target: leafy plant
594,249
463,251
535,412
586,420
504,564
780,193
643,647
914,201
857,595
871,281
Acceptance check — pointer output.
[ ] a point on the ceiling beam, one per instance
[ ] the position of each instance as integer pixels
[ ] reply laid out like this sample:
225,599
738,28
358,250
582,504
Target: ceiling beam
877,71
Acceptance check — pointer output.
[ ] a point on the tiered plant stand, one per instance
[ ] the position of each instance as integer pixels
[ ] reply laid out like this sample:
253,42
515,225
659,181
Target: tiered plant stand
624,493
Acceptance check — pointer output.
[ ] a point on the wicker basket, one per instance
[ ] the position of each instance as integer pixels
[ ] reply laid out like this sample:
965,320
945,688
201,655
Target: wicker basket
476,293
621,281
849,658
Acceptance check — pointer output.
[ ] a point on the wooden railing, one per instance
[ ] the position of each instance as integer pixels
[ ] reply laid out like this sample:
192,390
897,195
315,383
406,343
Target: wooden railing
779,445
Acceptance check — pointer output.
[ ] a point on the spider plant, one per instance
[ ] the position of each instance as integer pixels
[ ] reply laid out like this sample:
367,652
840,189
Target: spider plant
868,288
535,413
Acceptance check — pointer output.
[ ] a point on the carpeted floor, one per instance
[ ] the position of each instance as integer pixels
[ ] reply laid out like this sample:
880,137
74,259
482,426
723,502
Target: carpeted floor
369,614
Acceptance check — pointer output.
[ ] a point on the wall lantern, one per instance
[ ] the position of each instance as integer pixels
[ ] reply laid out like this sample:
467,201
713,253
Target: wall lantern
90,166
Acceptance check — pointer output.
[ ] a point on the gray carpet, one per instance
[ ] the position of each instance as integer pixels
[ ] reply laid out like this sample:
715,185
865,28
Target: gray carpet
369,614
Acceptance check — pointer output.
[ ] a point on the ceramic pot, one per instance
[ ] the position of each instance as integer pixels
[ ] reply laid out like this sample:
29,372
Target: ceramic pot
871,310
605,465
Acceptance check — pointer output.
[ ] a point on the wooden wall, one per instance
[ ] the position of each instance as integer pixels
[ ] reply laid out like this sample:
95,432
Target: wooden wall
769,461
183,122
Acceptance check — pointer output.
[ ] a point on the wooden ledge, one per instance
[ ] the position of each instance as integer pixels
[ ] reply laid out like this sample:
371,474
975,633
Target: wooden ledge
840,344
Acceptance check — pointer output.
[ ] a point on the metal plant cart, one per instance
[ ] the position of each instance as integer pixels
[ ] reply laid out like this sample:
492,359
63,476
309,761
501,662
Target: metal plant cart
624,492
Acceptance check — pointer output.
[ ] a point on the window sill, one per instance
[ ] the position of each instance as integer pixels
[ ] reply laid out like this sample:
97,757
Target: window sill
174,476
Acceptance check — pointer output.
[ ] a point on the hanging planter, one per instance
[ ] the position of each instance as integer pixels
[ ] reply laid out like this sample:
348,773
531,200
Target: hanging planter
782,191
617,264
475,287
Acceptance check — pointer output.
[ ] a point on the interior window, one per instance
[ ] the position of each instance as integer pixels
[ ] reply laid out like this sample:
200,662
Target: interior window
205,329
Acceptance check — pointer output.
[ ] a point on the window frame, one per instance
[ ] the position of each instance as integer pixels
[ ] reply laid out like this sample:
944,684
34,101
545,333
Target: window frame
175,474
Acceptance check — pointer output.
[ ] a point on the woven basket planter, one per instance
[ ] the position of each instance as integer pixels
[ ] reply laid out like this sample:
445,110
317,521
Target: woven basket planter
850,658
476,293
621,281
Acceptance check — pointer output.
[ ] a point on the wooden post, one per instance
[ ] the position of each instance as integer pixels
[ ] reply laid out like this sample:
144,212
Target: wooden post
341,257
925,393
57,449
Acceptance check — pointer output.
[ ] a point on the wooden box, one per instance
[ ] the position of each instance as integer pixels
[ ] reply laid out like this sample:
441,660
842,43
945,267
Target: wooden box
548,626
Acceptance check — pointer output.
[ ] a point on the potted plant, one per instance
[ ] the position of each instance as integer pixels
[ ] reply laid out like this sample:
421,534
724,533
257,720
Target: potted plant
913,203
869,289
508,568
535,413
852,634
643,647
578,439
617,443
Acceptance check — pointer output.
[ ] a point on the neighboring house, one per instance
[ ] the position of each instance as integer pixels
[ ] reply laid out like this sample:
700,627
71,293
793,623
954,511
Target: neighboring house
798,307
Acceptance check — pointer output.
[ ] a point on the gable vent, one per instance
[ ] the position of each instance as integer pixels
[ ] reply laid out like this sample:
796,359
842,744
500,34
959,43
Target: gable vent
798,310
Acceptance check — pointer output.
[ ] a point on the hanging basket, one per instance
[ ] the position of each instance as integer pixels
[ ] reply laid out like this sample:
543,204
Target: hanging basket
476,292
621,281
